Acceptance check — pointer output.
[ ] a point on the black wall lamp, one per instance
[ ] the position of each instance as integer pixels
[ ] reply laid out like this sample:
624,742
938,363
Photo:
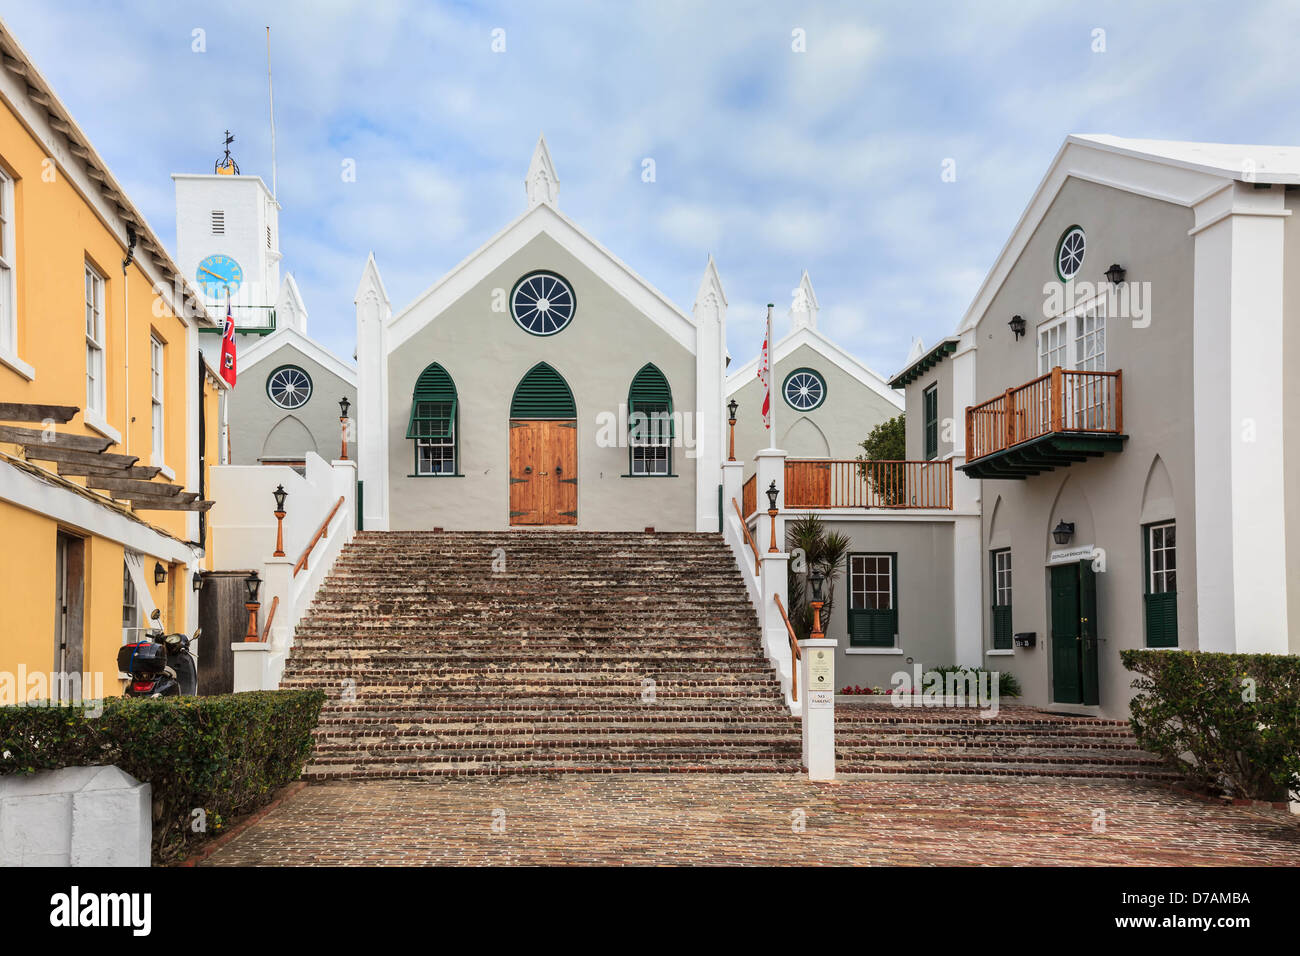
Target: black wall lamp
1063,532
159,573
1017,325
1116,274
197,581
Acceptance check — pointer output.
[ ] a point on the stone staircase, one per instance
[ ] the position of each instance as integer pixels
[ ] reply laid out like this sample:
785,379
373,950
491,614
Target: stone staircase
876,737
575,652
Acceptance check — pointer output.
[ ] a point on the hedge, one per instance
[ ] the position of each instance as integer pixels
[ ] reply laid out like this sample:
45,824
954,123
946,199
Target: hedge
1230,723
223,755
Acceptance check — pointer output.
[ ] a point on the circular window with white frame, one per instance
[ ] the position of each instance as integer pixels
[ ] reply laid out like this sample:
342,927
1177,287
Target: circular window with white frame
289,386
1069,253
542,303
804,389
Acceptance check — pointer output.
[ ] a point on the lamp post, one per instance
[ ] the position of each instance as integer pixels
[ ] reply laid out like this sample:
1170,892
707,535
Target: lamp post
279,494
344,405
251,584
818,582
771,513
731,420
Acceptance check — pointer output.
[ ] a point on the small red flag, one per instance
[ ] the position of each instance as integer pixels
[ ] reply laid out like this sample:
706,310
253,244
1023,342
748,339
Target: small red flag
228,348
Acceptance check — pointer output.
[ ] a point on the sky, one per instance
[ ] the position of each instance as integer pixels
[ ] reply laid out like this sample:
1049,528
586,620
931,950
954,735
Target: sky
784,136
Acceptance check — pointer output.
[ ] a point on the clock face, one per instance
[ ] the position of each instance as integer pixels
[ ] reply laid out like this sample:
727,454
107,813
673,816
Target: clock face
218,275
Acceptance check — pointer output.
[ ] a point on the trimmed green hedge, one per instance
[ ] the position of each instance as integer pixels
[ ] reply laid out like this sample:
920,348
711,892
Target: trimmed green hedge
223,755
1229,722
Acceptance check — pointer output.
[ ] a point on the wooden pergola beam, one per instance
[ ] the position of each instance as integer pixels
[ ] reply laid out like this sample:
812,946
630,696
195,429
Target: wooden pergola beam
171,505
58,441
43,452
22,412
129,486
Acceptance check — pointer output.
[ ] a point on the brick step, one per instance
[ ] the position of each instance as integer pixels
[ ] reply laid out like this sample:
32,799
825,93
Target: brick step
676,755
1079,770
755,696
549,764
506,712
1090,756
657,740
446,653
489,731
1025,742
570,636
648,665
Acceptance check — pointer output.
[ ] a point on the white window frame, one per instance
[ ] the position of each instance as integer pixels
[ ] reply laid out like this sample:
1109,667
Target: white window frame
651,442
858,575
9,281
1002,577
1161,575
427,445
96,390
1075,337
158,420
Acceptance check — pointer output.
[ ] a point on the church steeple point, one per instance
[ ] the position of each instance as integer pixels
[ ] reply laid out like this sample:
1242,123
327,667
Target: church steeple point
541,183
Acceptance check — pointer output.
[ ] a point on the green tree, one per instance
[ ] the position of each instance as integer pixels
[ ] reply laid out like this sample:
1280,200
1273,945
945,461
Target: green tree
887,441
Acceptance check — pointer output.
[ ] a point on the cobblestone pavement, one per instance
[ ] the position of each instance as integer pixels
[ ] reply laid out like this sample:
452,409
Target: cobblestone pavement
754,819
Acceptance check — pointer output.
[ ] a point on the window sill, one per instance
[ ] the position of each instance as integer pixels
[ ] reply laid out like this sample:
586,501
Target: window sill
456,475
12,360
650,476
1000,652
886,651
98,424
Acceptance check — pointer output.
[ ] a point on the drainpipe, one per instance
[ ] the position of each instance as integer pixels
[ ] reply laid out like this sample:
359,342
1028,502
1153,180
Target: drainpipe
126,318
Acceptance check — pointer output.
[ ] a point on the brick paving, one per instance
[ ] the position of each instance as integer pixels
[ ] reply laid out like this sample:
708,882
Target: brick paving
751,819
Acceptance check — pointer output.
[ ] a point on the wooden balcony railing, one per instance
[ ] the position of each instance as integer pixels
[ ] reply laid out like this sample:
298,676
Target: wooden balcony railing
1063,400
749,496
855,483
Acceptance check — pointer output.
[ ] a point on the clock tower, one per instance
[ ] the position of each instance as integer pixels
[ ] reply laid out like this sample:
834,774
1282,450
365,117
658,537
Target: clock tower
228,242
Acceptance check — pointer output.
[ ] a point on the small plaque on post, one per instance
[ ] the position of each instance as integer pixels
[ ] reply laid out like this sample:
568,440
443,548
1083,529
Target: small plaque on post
821,670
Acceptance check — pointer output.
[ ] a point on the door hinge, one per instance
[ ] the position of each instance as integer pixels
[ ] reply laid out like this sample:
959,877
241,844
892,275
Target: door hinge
569,514
516,514
519,424
515,481
568,424
568,481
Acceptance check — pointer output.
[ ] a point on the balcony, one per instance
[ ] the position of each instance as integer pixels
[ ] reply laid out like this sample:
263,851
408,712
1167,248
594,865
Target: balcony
249,319
820,484
1062,417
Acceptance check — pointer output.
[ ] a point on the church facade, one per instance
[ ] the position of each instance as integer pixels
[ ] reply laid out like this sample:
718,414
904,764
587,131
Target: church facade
541,382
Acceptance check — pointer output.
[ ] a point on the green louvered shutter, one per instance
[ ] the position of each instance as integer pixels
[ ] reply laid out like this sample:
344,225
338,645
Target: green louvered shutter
1162,619
433,404
650,395
1002,639
543,394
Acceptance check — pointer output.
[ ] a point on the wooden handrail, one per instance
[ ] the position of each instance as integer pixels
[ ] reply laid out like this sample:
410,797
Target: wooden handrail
320,533
745,528
866,483
794,650
1062,400
270,616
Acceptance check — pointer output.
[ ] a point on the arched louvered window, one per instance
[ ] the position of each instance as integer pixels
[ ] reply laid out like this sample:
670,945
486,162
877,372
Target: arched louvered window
543,394
650,423
433,423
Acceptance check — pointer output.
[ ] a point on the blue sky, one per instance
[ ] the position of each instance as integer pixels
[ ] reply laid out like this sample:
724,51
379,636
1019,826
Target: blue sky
772,160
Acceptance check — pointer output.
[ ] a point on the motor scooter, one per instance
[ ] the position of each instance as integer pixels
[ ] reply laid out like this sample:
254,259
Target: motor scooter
161,665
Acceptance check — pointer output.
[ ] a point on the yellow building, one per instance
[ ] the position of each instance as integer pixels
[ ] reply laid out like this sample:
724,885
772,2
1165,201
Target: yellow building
103,398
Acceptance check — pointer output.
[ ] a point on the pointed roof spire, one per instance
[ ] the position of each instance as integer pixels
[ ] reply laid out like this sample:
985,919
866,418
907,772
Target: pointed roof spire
710,294
542,184
918,349
370,280
803,304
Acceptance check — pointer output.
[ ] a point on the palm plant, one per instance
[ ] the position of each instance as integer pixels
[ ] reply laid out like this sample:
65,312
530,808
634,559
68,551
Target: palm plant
812,546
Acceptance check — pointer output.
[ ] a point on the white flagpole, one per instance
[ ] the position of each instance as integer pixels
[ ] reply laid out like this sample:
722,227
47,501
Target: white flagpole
771,384
271,92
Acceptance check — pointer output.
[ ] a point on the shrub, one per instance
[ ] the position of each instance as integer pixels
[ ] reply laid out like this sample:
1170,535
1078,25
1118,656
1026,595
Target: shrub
1008,686
1229,722
225,755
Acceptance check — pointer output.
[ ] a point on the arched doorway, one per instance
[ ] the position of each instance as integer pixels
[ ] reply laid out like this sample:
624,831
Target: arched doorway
543,450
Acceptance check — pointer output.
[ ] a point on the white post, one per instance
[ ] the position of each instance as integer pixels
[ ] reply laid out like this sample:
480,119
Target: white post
817,693
776,640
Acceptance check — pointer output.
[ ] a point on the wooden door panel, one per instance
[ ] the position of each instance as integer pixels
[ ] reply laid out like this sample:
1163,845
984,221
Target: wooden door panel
562,462
525,483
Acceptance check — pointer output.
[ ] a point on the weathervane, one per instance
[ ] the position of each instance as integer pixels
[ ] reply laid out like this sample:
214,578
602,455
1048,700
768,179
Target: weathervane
226,165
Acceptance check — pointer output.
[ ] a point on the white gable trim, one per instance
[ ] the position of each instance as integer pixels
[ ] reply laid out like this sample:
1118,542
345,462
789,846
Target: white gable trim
542,218
292,338
1081,158
829,351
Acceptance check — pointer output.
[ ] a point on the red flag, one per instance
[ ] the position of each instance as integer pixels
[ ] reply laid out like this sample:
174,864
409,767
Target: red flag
228,347
765,372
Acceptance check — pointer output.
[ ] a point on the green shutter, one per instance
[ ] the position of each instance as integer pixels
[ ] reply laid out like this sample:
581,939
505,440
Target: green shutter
433,404
1002,627
930,410
872,628
650,395
1162,619
543,394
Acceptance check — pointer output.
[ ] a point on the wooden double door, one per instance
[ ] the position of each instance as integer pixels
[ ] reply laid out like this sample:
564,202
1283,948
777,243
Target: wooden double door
543,472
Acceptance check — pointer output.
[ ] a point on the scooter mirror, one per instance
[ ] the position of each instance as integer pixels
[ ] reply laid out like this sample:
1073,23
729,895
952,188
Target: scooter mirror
156,615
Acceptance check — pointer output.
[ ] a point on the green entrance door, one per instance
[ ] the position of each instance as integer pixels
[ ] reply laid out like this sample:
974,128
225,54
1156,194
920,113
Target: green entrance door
1074,634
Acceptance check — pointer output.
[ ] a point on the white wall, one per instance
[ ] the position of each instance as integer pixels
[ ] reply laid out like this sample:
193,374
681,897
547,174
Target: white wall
243,518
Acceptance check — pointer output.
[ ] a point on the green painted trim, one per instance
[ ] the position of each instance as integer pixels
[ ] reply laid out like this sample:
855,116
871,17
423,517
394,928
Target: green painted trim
510,302
1044,453
922,365
556,408
811,371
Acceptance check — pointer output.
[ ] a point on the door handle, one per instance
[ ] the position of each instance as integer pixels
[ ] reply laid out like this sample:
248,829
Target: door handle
559,470
528,470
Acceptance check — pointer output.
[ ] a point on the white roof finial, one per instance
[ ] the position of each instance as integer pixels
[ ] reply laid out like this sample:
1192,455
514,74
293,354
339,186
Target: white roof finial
803,304
541,183
917,350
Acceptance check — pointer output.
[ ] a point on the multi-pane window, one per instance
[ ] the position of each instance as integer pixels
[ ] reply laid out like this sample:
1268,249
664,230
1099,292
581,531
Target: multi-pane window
930,407
1001,581
433,426
94,341
130,603
651,438
873,589
1051,348
1090,338
156,355
1161,596
8,281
